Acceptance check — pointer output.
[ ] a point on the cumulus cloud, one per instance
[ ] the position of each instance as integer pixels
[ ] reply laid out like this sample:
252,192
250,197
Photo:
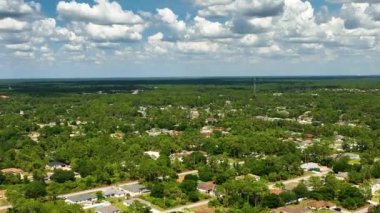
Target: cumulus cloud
103,12
245,30
113,32
19,47
169,18
206,28
12,25
249,8
197,47
18,8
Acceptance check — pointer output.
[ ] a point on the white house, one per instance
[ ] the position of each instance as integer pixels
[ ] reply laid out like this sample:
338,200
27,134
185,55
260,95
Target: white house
375,187
153,154
57,165
310,166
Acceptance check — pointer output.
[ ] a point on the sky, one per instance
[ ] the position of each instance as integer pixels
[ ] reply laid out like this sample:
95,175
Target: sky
185,38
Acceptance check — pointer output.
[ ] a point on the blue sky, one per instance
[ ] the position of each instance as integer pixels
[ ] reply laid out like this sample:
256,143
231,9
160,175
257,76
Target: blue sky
150,38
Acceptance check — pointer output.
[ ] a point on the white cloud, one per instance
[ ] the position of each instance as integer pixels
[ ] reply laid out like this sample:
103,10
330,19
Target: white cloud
197,47
156,37
17,8
206,28
12,25
114,32
103,12
249,8
168,17
19,47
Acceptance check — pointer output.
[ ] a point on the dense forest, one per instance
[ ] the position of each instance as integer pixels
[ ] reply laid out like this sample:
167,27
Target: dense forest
224,128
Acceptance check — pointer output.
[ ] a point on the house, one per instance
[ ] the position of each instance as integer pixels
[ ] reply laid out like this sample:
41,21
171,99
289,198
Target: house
153,154
134,190
342,175
4,97
118,135
107,209
86,199
352,156
194,114
211,120
311,167
154,132
309,136
180,156
276,191
206,131
319,205
241,177
288,209
375,187
34,136
114,192
13,171
206,187
57,165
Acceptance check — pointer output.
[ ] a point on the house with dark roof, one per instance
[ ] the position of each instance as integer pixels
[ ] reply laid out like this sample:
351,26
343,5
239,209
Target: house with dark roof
83,199
134,190
114,192
57,165
107,209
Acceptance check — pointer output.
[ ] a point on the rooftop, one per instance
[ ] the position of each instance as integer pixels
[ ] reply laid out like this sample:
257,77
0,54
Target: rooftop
107,209
320,204
207,186
56,164
12,171
135,188
81,197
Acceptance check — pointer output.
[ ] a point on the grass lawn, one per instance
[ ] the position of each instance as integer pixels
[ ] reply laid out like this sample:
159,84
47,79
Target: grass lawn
376,199
118,203
204,209
354,161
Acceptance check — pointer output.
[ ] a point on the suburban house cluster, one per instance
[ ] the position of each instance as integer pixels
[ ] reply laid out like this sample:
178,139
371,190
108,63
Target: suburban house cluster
90,200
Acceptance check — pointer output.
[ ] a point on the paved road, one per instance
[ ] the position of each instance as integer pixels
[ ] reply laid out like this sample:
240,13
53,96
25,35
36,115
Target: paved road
363,210
181,208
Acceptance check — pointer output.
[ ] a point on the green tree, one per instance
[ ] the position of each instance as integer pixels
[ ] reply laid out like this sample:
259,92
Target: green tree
61,176
35,189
